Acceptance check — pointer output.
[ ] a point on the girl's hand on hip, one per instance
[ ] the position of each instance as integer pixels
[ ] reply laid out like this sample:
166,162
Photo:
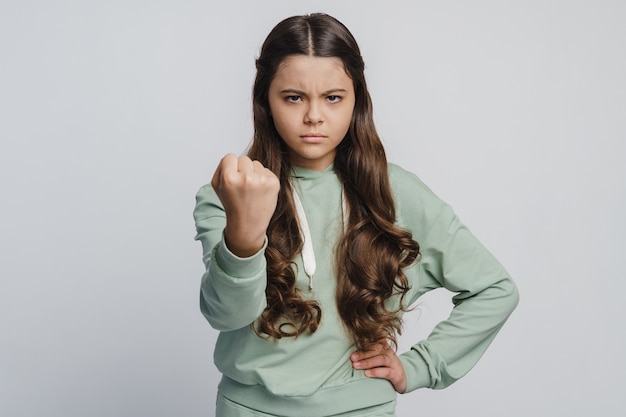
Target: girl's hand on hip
249,193
381,362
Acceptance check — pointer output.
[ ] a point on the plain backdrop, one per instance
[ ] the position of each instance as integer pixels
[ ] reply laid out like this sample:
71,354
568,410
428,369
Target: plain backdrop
113,114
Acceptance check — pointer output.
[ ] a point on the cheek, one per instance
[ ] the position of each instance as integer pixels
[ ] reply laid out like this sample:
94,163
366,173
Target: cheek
347,118
281,124
280,117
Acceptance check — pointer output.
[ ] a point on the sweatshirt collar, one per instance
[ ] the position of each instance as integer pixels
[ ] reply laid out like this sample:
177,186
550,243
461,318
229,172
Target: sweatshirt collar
305,173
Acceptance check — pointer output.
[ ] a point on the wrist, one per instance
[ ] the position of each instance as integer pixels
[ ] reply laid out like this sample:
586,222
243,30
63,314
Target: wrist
243,245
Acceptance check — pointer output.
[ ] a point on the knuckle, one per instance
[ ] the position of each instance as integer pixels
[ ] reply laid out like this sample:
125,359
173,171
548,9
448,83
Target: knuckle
230,178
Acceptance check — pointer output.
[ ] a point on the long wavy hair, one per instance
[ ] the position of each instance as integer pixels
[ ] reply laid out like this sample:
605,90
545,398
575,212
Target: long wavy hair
372,251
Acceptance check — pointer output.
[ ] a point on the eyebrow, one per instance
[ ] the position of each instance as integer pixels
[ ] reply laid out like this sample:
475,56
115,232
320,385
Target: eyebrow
302,93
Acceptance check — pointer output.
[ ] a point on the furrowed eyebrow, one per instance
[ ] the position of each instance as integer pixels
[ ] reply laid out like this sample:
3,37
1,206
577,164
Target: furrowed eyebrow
293,91
333,91
302,93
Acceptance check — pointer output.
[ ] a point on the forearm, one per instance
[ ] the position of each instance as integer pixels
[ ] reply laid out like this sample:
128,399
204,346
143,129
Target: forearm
456,344
233,289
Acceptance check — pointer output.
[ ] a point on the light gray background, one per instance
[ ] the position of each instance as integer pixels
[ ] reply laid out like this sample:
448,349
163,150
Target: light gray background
114,113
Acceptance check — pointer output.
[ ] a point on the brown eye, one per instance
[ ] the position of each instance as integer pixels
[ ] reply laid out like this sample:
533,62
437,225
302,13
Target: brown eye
293,99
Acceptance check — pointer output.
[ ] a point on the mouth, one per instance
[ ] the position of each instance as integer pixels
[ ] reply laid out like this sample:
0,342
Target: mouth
313,137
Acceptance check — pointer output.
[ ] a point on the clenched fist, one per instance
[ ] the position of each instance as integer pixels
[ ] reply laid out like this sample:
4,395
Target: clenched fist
249,192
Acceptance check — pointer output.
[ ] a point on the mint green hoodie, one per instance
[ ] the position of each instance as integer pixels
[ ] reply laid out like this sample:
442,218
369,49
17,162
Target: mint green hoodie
312,375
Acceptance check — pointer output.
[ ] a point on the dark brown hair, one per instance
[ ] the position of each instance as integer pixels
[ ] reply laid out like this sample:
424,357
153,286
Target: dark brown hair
365,282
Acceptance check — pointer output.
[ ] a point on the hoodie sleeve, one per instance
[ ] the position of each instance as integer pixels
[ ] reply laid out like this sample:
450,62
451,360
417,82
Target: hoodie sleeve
485,297
451,257
232,292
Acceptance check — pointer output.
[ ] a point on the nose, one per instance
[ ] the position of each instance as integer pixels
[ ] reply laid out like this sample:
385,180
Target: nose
313,114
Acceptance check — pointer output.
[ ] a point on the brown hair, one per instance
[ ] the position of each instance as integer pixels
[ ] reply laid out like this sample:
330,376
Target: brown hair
365,282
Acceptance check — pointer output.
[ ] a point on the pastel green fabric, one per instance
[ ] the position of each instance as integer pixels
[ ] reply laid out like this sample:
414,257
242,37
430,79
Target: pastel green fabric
314,371
228,408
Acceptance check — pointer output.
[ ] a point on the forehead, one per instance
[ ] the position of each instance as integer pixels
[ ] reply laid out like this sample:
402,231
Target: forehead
304,70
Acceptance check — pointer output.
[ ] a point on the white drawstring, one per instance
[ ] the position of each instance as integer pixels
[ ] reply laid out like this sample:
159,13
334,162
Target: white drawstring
308,256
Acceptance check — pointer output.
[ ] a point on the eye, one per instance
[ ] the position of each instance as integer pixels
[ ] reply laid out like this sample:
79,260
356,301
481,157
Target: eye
293,99
333,99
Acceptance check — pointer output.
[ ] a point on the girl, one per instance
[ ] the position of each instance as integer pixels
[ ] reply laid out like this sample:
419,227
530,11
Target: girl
314,247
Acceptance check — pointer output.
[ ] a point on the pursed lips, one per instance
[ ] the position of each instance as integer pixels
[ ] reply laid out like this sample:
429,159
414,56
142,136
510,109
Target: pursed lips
313,137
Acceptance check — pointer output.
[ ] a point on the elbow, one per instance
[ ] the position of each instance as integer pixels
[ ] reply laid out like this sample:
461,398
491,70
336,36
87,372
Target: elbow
511,295
225,321
226,325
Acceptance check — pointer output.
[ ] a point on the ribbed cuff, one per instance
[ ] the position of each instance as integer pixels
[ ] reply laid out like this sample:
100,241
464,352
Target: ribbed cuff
238,267
416,369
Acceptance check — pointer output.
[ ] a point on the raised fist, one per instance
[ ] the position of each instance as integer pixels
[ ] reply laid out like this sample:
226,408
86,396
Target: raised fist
249,192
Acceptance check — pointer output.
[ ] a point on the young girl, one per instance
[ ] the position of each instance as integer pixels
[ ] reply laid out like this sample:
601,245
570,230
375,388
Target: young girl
314,247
